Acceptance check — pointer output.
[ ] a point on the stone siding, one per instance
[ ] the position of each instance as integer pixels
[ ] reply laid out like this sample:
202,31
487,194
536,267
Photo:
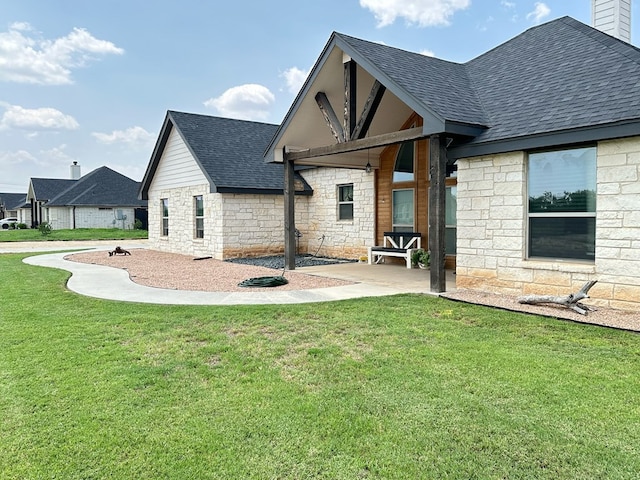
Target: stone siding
324,233
491,230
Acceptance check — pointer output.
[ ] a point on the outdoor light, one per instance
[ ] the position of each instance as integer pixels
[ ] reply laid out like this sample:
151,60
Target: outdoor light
368,167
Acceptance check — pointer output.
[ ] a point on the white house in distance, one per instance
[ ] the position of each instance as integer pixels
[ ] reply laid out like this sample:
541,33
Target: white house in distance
211,193
102,198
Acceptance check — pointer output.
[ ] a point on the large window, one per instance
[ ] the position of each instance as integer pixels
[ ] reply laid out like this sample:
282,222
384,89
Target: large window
562,204
345,202
403,168
403,210
164,206
198,206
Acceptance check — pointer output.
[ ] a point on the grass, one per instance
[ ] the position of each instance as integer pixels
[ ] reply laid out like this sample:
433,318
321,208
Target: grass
382,388
34,235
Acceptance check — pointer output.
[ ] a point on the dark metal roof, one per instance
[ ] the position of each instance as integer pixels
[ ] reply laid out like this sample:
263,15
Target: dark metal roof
101,187
228,151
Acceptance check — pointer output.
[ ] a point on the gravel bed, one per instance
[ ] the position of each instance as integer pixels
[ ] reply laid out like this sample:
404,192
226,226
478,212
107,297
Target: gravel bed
277,261
184,272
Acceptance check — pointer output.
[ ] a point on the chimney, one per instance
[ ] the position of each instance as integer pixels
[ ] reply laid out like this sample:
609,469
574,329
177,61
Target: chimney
612,17
75,171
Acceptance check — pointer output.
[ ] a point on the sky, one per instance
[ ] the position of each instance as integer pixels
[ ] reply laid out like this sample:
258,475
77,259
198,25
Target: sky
90,81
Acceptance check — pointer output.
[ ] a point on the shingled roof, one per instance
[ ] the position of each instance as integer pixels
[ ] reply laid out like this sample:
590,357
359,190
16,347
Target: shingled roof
103,187
44,189
228,151
13,201
556,83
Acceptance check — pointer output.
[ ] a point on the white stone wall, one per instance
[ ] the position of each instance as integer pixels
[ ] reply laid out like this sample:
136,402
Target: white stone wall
62,218
491,230
253,225
181,238
342,238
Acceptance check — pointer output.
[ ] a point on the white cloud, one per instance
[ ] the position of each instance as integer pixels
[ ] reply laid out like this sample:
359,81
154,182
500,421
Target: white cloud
294,78
507,4
36,119
540,12
424,13
427,53
130,136
27,58
13,158
245,102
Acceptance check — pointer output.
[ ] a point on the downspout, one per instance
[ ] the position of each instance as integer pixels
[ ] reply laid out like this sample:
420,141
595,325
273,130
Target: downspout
73,218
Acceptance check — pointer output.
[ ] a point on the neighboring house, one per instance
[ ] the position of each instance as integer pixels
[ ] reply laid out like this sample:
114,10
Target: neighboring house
102,198
209,190
520,167
10,204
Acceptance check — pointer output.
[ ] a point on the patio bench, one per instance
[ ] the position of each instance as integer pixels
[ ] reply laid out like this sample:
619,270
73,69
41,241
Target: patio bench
396,244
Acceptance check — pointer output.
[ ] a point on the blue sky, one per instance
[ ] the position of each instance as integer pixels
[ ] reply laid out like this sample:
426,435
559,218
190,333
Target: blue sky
91,81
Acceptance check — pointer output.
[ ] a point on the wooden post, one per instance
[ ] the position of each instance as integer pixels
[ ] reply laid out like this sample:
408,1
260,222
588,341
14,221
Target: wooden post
437,195
289,215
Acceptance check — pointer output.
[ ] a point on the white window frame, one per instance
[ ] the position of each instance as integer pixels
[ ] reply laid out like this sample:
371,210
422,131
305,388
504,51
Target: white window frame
346,202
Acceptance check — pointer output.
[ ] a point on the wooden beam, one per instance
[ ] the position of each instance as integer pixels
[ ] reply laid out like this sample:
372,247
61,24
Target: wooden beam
369,111
356,145
437,195
350,82
330,117
289,216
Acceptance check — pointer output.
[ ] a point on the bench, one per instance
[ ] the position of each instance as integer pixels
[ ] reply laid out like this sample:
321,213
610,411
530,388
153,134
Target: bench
396,244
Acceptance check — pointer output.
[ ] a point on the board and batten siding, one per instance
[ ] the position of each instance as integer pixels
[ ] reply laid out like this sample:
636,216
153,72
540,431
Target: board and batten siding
177,167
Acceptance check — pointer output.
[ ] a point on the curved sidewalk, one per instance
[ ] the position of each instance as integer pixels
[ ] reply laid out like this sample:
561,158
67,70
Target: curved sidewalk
110,283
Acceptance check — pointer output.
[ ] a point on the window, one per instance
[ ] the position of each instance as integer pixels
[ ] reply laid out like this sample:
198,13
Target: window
403,169
198,205
451,205
403,210
164,202
345,202
562,204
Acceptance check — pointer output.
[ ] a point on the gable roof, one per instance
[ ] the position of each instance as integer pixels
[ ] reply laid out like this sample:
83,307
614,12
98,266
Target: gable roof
228,151
13,201
559,82
102,187
44,189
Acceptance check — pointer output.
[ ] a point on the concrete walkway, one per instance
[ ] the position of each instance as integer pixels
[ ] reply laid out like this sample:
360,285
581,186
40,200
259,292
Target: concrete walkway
114,284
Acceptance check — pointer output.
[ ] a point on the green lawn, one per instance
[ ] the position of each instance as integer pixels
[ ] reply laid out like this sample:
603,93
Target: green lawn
34,235
401,387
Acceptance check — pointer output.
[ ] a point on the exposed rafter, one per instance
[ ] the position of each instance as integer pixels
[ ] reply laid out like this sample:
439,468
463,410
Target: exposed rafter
369,110
355,145
350,82
330,117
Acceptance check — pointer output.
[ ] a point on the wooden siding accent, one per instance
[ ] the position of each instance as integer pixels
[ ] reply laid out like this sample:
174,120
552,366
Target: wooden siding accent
384,187
177,167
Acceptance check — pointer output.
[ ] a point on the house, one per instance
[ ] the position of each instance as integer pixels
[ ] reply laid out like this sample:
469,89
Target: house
10,204
102,198
520,168
210,192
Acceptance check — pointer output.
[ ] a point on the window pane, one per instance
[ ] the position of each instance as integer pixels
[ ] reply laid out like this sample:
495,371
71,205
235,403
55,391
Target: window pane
346,193
345,211
403,171
563,181
403,208
451,205
199,227
199,206
450,240
562,237
165,207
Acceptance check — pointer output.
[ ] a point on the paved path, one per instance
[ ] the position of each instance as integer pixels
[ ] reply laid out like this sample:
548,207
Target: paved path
114,284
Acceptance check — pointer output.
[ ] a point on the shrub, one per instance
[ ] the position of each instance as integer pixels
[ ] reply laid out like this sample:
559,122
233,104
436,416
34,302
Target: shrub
45,228
21,226
420,258
137,224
